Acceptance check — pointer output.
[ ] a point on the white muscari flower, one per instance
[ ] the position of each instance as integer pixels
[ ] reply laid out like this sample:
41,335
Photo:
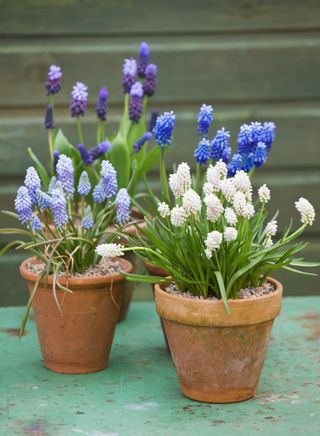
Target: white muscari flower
306,210
163,210
230,216
213,177
228,189
110,250
222,169
178,216
180,182
264,194
207,188
213,242
175,185
271,228
241,206
214,207
267,243
191,202
241,182
230,234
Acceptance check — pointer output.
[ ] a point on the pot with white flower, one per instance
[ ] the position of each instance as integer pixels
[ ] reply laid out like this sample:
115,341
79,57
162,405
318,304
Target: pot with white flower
75,296
219,303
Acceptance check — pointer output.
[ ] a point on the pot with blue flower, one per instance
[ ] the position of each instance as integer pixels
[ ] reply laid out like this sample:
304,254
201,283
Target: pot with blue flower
75,295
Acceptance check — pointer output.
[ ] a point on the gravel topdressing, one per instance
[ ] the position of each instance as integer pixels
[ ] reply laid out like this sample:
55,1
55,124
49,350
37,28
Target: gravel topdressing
102,269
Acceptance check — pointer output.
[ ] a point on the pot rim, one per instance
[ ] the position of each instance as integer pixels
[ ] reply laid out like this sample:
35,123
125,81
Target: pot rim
75,281
213,312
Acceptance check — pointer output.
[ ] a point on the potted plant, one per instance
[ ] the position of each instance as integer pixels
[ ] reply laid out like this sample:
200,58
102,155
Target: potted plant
75,296
219,302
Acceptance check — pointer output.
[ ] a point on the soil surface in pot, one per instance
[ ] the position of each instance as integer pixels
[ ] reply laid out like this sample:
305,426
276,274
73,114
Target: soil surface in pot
102,269
243,294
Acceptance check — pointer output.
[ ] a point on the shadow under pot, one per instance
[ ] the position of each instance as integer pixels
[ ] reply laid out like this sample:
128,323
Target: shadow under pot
79,338
218,357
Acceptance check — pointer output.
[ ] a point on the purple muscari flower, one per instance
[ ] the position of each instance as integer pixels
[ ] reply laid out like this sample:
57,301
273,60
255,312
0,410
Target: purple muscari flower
150,81
65,174
99,194
43,200
52,184
144,53
260,154
235,164
268,134
23,205
56,156
48,120
163,129
35,223
219,143
135,104
101,108
85,154
84,185
79,96
33,184
100,149
248,162
202,152
109,178
140,142
205,118
59,208
152,121
87,220
226,154
129,72
53,84
123,206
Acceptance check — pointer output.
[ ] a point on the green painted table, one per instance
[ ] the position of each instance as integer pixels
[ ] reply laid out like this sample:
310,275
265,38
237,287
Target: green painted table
139,393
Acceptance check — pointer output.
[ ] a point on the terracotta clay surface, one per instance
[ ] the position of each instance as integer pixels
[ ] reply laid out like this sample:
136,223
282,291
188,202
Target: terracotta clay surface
218,357
78,339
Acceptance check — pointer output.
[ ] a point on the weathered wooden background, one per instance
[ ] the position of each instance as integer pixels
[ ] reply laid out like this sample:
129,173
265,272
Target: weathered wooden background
252,60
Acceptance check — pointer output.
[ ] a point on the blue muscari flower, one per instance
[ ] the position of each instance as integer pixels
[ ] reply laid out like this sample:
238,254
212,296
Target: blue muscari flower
205,118
99,194
53,84
59,208
202,152
23,205
226,154
43,200
100,149
163,129
79,99
268,134
260,154
220,143
248,162
122,207
84,185
65,174
109,178
101,108
85,154
140,142
48,120
135,104
56,156
129,72
35,223
87,220
235,164
152,121
245,139
150,80
33,184
52,184
144,53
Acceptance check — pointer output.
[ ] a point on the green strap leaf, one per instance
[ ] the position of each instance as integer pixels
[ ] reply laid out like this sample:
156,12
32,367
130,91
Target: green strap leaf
222,290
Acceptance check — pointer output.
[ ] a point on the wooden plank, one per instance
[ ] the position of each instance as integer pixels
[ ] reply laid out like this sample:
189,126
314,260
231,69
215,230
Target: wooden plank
296,144
131,17
231,68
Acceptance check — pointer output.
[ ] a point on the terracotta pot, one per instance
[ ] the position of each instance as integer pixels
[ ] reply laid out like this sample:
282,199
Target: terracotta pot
79,339
154,270
218,357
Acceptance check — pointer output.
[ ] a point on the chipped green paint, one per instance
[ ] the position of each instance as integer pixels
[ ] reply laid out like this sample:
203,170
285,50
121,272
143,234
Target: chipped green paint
139,395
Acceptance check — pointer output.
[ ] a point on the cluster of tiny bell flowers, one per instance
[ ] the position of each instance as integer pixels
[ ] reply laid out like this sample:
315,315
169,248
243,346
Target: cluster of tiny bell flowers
32,200
223,198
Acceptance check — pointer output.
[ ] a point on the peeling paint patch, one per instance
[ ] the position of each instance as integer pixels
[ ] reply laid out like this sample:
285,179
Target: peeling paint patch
277,398
143,406
13,331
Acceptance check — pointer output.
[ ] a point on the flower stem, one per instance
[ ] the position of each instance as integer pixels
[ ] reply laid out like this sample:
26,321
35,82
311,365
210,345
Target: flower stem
80,133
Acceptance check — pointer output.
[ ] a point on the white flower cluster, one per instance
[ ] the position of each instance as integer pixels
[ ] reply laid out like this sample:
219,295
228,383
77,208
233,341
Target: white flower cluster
215,176
178,216
191,202
230,234
271,228
241,206
213,242
242,183
110,250
306,210
214,207
180,181
230,216
264,194
163,209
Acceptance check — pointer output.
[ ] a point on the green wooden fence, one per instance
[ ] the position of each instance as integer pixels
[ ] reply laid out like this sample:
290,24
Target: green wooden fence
252,60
